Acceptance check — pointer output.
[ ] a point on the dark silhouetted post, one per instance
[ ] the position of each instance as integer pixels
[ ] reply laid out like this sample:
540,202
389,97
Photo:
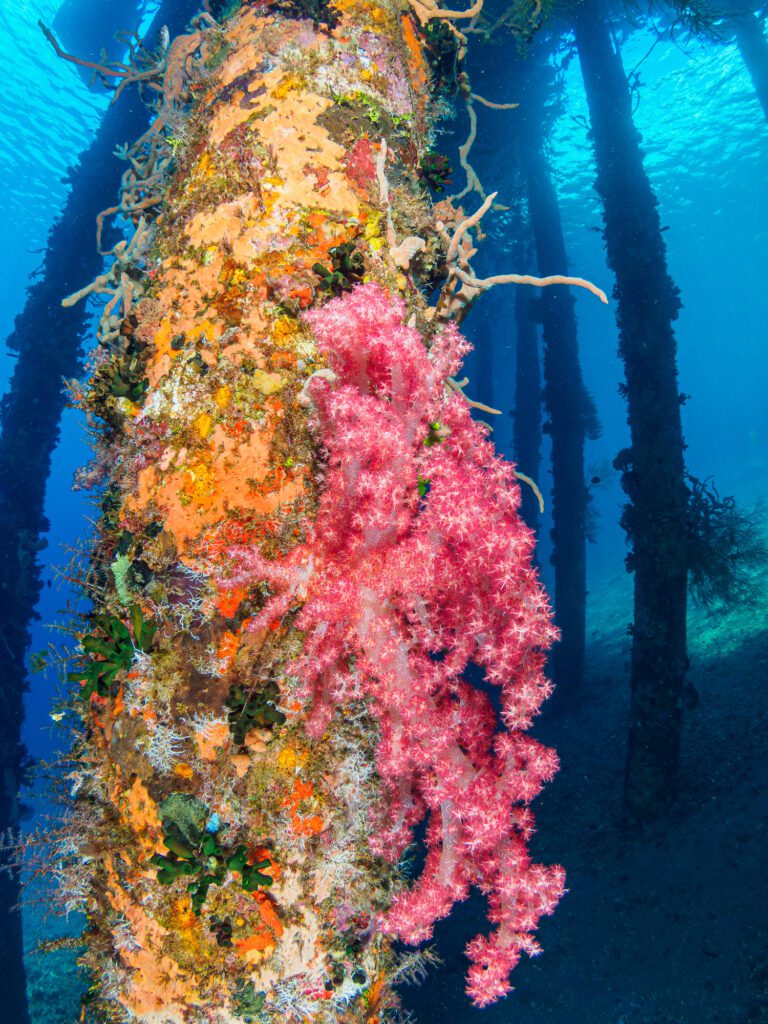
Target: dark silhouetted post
527,424
571,417
46,340
753,46
652,468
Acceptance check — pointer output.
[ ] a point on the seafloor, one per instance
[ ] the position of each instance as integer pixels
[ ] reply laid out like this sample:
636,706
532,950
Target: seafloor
662,926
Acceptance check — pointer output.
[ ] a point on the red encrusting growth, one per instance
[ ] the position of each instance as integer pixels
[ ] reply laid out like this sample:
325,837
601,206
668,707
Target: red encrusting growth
417,566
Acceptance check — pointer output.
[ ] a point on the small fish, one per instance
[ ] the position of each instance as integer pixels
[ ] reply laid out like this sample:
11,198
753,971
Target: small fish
601,472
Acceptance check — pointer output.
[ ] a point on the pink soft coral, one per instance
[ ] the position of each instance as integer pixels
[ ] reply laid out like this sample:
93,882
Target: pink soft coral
419,565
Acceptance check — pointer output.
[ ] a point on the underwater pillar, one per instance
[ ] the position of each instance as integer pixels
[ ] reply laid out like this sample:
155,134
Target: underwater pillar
527,413
655,516
749,32
304,541
571,419
570,412
12,973
46,343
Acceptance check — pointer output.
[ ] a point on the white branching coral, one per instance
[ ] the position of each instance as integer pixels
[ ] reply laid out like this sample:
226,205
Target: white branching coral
165,747
461,287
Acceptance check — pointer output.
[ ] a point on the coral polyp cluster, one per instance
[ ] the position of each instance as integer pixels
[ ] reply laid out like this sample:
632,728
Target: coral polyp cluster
417,565
305,541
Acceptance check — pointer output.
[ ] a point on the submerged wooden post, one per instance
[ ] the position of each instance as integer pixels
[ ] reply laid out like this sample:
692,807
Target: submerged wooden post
304,541
653,468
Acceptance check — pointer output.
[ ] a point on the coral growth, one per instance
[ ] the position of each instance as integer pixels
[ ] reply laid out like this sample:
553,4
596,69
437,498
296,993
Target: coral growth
417,566
725,547
435,171
304,543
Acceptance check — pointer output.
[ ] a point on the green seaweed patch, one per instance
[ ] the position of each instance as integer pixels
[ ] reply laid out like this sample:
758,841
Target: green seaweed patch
347,269
221,929
130,572
109,650
441,51
352,116
220,47
247,1001
435,171
194,852
437,434
253,709
120,568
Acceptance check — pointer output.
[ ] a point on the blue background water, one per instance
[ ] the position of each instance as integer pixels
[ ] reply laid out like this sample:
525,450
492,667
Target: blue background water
706,144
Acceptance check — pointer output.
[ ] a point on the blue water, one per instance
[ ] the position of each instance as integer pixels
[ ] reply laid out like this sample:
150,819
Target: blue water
617,952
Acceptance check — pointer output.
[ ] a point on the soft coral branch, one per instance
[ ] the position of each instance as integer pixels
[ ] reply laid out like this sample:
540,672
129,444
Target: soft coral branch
400,591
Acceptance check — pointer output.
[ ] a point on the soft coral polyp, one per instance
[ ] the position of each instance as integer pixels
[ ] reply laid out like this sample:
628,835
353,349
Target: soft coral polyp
401,591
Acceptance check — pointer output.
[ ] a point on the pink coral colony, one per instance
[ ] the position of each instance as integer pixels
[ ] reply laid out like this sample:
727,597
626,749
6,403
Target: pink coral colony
418,566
